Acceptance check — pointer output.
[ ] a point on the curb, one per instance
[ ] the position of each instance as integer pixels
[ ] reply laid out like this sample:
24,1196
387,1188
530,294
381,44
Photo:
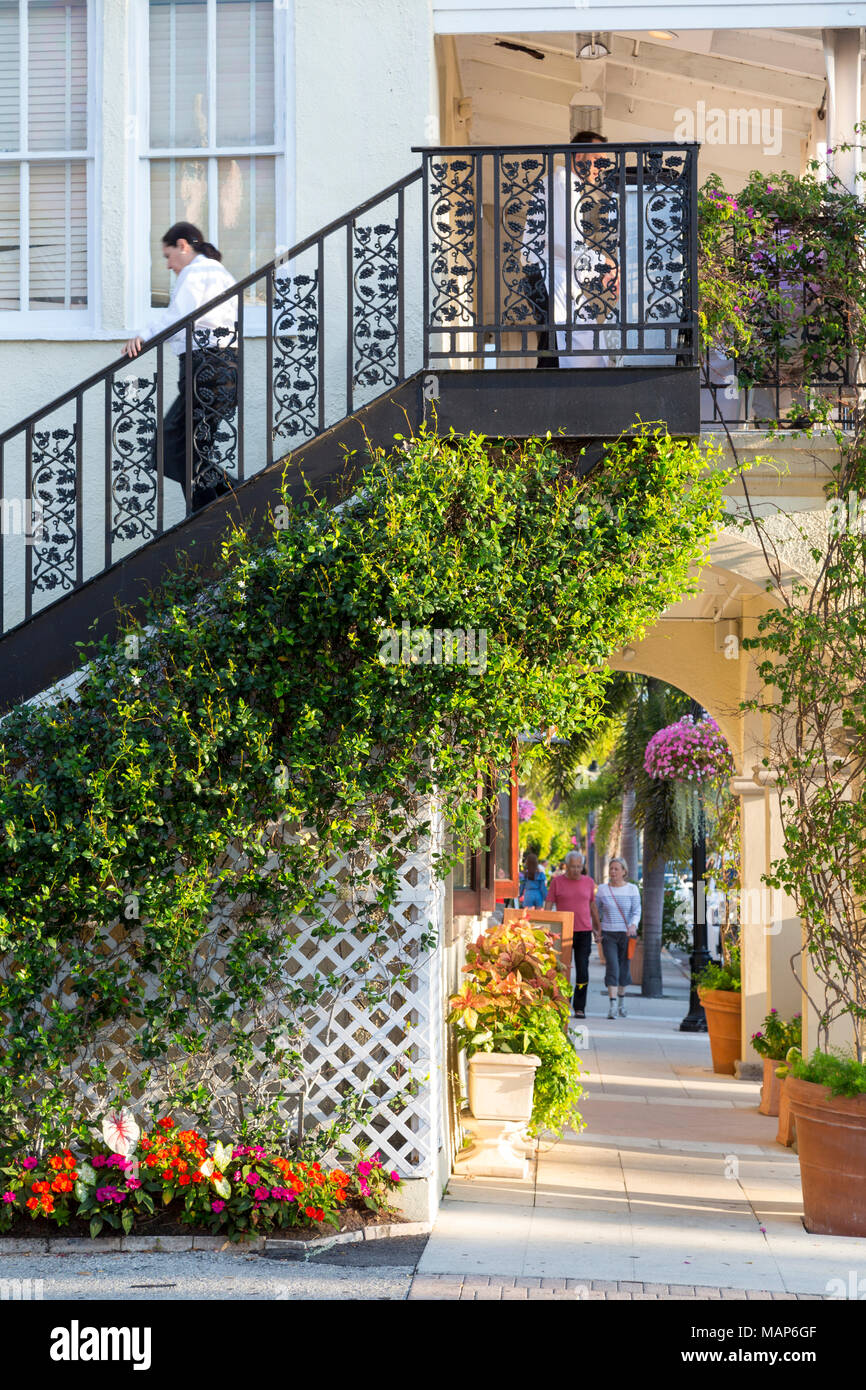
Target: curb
120,1245
281,1249
270,1247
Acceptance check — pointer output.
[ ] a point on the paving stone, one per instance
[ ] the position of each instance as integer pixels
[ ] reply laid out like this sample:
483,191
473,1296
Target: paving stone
703,1291
758,1295
490,1293
629,1286
520,1295
476,1281
605,1285
24,1245
732,1293
681,1290
553,1283
661,1290
784,1297
620,1297
527,1281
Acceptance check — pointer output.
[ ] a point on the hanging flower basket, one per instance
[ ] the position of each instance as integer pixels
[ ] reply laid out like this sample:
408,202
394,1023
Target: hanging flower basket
525,808
689,751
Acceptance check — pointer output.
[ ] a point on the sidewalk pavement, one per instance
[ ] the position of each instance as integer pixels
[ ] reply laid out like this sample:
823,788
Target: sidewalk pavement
675,1188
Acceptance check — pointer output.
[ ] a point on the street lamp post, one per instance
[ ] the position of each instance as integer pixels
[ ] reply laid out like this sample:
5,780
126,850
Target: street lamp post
695,1020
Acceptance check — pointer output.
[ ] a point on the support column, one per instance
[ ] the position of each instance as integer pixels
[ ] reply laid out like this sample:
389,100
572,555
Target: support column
753,910
843,62
785,937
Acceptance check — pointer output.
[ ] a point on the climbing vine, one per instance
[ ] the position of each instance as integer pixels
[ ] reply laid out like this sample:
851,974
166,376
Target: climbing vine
169,828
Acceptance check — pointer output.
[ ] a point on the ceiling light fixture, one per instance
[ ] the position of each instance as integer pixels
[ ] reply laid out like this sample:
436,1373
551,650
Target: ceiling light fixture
663,34
593,45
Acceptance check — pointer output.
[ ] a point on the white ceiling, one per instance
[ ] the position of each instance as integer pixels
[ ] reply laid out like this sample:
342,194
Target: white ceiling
643,86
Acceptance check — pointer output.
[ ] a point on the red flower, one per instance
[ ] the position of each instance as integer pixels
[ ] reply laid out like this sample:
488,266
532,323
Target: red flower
184,1179
32,1203
167,1175
166,1122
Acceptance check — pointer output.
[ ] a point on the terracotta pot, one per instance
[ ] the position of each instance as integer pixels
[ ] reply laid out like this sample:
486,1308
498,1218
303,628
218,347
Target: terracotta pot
501,1085
785,1132
831,1145
771,1089
723,1008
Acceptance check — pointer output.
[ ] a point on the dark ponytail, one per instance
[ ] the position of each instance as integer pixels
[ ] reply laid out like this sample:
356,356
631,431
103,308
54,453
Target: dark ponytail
186,231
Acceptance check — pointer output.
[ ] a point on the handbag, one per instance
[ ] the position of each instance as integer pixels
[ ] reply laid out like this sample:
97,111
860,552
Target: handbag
632,941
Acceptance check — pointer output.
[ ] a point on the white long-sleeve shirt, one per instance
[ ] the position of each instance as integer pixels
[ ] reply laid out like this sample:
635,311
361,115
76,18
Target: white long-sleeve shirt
197,283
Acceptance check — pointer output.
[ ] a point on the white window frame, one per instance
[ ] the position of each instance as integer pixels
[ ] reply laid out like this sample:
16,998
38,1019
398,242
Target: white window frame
282,151
60,323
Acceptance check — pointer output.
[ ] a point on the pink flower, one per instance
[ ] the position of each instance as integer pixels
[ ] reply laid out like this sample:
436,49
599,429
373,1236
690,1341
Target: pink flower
217,1206
98,1161
365,1188
9,1196
253,1179
29,1162
236,1175
133,1183
394,1175
364,1169
261,1193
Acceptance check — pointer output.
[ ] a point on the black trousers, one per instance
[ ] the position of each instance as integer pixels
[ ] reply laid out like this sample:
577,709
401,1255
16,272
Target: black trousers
581,947
214,399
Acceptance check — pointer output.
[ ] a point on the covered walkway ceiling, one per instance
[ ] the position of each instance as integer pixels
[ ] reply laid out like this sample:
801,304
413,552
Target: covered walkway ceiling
521,86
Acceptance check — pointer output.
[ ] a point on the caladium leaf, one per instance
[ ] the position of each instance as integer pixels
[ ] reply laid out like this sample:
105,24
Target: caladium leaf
120,1131
223,1186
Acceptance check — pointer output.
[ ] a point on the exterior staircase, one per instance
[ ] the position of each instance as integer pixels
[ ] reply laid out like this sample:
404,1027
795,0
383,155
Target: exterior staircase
392,315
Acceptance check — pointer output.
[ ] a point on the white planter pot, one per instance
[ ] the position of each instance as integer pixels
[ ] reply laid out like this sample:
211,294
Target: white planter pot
501,1085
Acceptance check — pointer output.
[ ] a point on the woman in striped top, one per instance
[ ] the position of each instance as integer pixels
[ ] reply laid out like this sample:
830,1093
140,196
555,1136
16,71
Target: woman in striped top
619,908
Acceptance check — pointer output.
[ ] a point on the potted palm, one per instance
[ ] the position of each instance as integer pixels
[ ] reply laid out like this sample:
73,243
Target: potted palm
773,1042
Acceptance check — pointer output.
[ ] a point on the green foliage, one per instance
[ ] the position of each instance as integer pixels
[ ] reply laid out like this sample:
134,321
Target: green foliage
675,929
189,804
778,1036
780,280
722,976
843,1076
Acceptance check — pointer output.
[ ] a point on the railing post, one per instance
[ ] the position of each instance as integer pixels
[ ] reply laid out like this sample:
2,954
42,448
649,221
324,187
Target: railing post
320,311
693,254
269,367
28,549
160,437
401,297
425,256
350,339
239,338
188,419
109,383
79,491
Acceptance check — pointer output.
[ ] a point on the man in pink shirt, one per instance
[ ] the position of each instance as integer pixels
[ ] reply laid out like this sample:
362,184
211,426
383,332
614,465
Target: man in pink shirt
574,891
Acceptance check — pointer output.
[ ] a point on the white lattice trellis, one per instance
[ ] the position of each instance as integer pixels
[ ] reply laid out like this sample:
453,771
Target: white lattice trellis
350,1042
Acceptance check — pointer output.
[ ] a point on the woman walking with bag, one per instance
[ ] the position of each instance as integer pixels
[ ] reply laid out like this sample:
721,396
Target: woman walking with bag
619,910
214,369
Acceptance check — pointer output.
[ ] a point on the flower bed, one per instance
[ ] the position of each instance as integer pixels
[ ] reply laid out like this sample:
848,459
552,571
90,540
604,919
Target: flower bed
175,1180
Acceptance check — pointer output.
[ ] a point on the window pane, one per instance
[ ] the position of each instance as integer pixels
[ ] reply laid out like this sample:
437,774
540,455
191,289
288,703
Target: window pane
58,236
504,866
178,193
178,74
245,72
463,872
246,235
57,75
10,259
9,75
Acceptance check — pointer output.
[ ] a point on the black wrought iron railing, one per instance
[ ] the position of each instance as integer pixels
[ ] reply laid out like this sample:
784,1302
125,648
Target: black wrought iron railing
576,256
593,247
